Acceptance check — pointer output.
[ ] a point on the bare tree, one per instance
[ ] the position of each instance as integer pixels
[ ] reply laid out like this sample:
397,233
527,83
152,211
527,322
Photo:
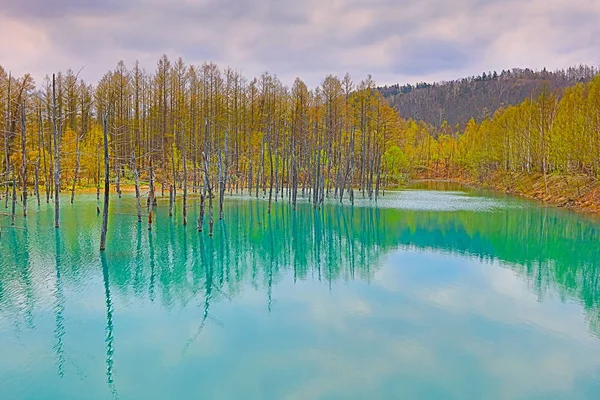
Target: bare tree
56,156
106,187
24,159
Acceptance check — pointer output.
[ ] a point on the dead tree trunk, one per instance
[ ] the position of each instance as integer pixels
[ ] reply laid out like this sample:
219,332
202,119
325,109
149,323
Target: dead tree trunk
14,199
317,169
37,163
210,196
201,214
24,159
183,151
262,154
98,173
174,185
56,156
223,166
271,171
6,149
43,152
136,179
250,175
150,197
118,178
276,164
37,182
195,154
106,187
170,200
77,162
378,178
347,176
258,178
211,217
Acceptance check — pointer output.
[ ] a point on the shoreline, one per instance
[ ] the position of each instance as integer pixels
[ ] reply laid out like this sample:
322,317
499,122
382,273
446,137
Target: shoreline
580,194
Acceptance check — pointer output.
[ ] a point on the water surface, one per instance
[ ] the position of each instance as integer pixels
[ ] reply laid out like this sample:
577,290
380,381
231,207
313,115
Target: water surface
428,294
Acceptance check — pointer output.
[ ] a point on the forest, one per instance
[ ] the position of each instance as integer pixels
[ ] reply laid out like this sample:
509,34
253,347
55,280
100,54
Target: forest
456,102
186,130
192,129
550,136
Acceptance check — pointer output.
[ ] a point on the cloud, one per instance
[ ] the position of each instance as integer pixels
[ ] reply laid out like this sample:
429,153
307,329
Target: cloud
427,56
53,9
395,40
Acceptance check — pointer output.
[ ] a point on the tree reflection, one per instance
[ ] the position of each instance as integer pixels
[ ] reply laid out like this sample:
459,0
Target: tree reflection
110,350
174,267
207,252
59,309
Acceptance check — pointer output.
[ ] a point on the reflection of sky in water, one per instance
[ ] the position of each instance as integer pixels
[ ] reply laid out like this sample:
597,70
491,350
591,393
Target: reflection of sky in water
426,200
436,309
421,200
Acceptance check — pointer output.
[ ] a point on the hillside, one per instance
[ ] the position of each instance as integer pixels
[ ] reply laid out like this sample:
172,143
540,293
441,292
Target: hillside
478,96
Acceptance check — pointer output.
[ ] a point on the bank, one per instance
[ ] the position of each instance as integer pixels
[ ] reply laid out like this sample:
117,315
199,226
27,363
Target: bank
579,193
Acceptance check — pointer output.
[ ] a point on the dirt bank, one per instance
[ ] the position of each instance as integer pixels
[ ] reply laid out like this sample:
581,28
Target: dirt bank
576,192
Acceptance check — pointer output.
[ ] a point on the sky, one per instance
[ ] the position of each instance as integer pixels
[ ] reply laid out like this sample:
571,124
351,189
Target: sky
396,41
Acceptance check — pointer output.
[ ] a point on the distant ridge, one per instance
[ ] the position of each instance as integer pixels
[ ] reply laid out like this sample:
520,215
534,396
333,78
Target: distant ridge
456,102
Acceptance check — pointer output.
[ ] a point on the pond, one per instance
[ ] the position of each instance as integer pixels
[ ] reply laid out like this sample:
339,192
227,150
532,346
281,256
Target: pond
427,294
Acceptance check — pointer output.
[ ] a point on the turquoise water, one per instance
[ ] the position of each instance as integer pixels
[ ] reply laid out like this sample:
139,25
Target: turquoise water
430,295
